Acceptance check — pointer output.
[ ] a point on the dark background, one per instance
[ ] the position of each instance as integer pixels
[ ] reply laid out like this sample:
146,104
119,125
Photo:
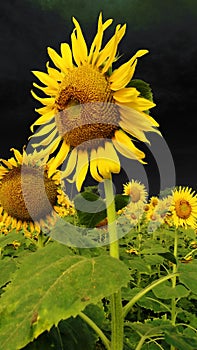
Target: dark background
167,28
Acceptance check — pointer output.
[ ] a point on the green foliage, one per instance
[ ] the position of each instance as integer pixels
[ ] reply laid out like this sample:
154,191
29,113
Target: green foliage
54,284
143,87
94,208
45,285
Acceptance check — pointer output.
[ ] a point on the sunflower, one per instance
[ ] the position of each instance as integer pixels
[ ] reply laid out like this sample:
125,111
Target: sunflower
137,191
90,109
184,207
21,180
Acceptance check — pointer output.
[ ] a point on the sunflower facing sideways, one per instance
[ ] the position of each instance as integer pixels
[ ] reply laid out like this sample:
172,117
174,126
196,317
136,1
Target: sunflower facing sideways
23,204
90,109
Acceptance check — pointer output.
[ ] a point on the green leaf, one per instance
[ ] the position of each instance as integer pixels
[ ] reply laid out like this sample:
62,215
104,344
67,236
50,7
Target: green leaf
72,334
91,208
169,256
139,264
7,268
52,284
180,341
165,291
149,302
188,275
143,87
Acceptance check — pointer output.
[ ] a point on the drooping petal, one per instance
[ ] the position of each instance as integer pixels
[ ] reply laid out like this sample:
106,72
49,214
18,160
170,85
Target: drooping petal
125,146
108,161
82,168
58,160
71,163
45,118
136,123
93,166
44,130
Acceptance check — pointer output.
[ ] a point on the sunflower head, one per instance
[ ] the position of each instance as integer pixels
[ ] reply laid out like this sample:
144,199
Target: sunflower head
27,195
184,207
90,109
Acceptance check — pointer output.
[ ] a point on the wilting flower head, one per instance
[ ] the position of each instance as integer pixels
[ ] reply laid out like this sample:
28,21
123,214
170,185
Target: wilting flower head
28,197
90,108
184,207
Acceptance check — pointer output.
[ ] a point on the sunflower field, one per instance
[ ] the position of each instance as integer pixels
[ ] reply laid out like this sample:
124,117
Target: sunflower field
99,269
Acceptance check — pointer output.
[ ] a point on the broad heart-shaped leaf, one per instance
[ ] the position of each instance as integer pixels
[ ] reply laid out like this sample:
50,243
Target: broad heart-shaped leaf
188,275
53,284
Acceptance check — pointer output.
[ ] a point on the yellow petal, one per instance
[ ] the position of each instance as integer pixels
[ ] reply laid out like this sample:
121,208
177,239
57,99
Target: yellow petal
93,166
122,76
120,33
71,163
46,79
108,161
141,104
44,130
17,155
125,146
50,91
44,110
45,101
126,94
136,123
45,141
96,44
58,160
12,161
54,73
8,164
46,118
82,168
79,44
57,60
67,55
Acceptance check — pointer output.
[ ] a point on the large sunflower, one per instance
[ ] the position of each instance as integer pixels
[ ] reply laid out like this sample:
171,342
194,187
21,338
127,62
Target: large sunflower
23,203
184,207
90,109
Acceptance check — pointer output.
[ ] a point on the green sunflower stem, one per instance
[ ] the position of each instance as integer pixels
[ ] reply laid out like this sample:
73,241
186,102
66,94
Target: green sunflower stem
116,299
174,279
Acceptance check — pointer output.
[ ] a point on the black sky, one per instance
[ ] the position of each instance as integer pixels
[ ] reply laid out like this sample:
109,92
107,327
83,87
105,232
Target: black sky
170,68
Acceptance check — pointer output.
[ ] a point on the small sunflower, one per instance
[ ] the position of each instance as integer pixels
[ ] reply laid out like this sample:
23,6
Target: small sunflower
90,109
184,207
25,169
137,191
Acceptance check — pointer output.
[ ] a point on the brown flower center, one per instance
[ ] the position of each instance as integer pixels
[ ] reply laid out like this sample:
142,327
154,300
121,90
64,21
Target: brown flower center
86,107
135,195
23,195
183,209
